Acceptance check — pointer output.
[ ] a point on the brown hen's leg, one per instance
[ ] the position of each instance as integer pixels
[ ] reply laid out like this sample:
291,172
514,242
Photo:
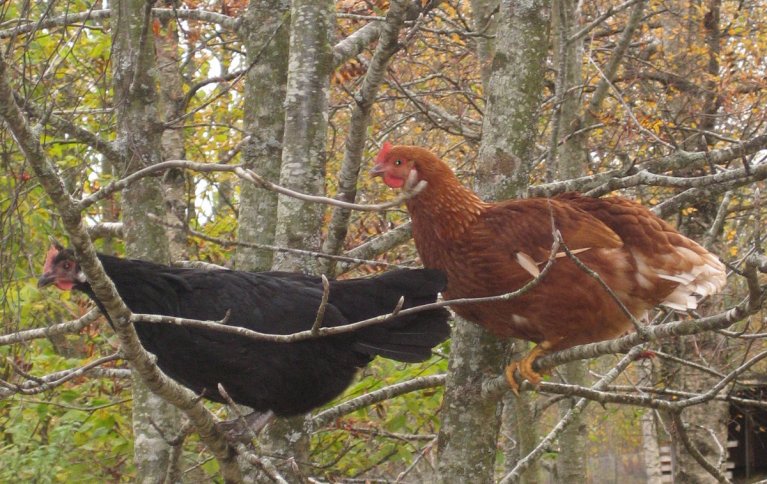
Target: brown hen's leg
525,367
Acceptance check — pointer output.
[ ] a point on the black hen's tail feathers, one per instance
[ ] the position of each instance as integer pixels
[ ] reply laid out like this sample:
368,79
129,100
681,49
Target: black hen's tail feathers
405,338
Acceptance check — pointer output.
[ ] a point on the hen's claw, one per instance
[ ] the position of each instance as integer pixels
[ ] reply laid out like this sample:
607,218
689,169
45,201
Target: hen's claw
244,429
525,367
510,378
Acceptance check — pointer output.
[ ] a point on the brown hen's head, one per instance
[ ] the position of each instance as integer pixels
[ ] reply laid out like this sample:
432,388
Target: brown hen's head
61,269
394,164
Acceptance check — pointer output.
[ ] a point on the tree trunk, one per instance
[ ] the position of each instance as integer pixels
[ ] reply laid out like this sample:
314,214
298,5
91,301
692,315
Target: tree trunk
650,447
572,459
513,98
306,118
705,424
265,32
469,428
484,20
266,35
570,163
171,97
138,137
299,223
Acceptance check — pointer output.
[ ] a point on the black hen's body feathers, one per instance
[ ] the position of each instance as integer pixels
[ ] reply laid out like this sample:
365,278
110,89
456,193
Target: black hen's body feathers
287,378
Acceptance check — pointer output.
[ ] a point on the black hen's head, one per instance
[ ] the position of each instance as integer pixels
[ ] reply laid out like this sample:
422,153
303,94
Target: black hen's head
61,269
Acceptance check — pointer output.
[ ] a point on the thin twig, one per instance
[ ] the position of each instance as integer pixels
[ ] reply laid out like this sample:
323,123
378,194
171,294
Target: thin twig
690,364
398,307
69,327
245,174
417,459
234,243
250,175
681,432
235,409
387,393
263,463
619,97
51,381
639,327
716,226
323,304
612,10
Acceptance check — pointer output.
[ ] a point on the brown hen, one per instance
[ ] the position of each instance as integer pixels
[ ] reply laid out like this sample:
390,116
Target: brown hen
488,249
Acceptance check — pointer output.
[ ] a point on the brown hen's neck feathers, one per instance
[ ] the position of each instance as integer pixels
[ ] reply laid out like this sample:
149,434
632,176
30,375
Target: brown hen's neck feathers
445,206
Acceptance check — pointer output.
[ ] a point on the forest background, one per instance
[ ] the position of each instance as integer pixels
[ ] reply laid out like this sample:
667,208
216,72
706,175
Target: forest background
133,123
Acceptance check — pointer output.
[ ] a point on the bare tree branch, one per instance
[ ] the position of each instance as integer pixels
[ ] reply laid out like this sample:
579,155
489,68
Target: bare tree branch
91,139
681,431
39,385
643,177
611,10
245,174
349,262
376,246
225,21
680,159
69,327
407,193
323,305
387,393
106,229
364,99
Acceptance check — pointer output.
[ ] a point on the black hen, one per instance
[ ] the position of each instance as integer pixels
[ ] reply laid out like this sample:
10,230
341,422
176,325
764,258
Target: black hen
287,378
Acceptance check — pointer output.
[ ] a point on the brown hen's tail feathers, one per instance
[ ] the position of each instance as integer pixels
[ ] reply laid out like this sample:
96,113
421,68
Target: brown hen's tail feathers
707,276
663,256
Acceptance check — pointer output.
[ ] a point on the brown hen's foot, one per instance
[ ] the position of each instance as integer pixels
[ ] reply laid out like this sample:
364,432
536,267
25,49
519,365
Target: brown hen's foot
525,367
510,378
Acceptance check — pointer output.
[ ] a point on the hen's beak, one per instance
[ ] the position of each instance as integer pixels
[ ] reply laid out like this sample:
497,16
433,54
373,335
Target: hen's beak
377,170
46,279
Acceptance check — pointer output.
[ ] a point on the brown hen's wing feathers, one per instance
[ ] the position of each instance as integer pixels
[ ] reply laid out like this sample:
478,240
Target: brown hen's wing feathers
526,226
485,261
670,268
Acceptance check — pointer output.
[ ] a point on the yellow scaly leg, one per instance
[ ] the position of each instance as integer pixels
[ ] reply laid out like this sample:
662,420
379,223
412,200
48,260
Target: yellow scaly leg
525,367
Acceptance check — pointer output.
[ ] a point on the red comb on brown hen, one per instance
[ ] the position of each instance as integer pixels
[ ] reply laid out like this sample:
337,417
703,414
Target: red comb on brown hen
489,249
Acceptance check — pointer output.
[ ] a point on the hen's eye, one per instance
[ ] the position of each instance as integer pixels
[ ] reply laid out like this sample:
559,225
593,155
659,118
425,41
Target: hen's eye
67,265
397,162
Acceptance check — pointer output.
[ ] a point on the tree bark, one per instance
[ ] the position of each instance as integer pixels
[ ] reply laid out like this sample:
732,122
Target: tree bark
171,99
139,139
485,21
306,118
650,448
299,223
513,98
571,159
265,32
469,428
